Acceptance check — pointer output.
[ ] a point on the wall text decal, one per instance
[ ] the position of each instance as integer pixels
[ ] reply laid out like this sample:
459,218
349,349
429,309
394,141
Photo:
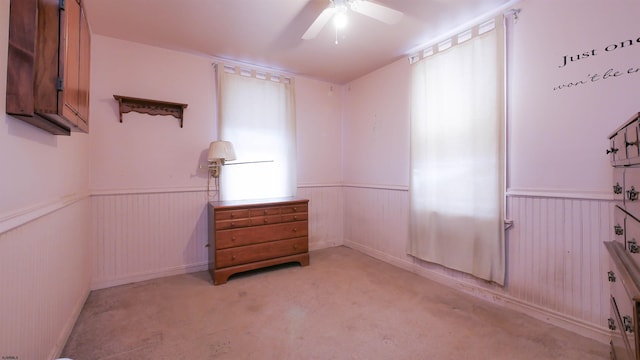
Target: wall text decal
610,73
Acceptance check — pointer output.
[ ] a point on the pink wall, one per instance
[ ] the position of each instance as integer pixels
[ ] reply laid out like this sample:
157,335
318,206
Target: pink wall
376,127
558,138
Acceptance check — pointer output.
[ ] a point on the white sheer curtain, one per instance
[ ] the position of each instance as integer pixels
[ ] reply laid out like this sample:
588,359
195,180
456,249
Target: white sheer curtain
457,156
257,114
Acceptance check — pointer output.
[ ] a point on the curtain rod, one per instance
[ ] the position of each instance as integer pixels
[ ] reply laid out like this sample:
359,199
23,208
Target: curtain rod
506,9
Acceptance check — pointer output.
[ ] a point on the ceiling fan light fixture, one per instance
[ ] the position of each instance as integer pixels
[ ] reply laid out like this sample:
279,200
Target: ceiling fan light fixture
340,20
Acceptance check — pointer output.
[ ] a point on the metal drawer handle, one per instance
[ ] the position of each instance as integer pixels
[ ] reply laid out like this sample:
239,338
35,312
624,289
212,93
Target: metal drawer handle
612,324
617,189
612,150
634,143
612,276
633,246
627,323
632,194
618,230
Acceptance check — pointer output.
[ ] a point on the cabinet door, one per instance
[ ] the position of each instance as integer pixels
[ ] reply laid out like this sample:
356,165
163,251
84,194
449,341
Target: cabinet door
71,60
84,73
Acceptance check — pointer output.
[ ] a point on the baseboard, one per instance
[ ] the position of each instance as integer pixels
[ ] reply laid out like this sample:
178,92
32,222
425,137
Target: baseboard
560,320
68,327
178,270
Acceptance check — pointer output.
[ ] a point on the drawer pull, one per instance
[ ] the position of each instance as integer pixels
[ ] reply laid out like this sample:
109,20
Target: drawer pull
295,229
233,238
295,217
265,212
612,324
633,246
295,246
632,194
627,322
232,225
265,221
617,189
612,276
618,230
634,143
612,150
233,215
233,257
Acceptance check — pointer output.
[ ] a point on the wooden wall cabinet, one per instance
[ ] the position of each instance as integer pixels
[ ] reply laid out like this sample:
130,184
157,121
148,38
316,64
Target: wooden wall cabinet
248,235
48,65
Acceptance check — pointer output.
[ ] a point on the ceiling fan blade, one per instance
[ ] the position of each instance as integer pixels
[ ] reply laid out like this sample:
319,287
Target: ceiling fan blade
376,11
319,23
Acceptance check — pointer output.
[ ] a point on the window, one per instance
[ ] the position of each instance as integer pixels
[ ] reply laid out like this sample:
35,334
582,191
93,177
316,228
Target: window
257,114
457,154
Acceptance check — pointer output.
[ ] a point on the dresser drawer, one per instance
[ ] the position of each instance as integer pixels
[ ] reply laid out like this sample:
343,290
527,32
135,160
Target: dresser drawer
251,253
232,214
233,224
251,235
298,208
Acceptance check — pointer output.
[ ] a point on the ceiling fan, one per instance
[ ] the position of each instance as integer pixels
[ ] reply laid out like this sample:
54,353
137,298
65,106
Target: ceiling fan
364,7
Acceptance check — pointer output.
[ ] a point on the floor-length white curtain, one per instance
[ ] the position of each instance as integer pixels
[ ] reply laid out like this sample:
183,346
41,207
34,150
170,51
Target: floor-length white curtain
457,165
257,114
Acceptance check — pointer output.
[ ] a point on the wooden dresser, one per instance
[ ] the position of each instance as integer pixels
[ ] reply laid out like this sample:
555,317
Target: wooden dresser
248,235
624,249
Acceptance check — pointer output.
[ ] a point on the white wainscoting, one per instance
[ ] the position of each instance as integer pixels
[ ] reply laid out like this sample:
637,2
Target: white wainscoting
44,279
140,236
556,263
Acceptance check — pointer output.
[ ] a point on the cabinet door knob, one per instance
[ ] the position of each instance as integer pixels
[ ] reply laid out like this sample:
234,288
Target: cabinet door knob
612,324
612,276
633,246
618,230
617,189
627,322
632,194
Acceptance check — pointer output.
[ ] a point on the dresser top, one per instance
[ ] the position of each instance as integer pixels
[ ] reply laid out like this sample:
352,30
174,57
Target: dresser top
257,202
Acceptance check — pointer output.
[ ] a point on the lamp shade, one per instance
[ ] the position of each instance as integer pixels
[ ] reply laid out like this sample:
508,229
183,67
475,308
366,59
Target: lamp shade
221,150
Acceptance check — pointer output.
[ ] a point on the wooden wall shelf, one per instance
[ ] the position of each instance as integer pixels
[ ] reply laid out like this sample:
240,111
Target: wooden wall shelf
151,107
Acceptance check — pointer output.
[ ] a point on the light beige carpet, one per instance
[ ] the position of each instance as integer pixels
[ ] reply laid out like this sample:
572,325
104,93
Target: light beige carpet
345,305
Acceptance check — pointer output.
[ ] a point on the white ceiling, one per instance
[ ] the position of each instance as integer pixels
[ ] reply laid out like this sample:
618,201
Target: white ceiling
268,32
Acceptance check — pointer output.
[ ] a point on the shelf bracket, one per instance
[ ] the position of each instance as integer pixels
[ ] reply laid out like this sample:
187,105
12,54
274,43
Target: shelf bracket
152,107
